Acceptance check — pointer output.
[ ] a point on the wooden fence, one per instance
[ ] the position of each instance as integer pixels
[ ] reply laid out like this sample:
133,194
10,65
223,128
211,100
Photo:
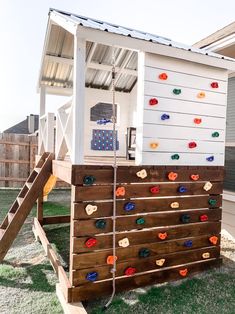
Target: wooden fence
17,157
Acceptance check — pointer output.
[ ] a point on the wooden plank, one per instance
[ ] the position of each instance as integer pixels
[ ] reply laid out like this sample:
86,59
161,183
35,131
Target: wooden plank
13,179
105,209
86,260
97,289
62,170
124,223
86,193
127,174
14,161
173,259
48,220
105,241
14,143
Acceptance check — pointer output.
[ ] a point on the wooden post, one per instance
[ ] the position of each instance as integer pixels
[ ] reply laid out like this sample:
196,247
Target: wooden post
73,188
42,110
77,154
40,208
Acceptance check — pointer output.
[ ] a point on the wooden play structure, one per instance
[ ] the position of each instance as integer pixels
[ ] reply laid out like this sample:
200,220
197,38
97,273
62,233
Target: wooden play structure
170,107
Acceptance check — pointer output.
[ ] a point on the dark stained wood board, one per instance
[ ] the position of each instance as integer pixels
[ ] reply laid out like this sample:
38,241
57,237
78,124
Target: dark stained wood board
88,227
97,289
127,174
173,259
86,260
96,192
105,209
105,241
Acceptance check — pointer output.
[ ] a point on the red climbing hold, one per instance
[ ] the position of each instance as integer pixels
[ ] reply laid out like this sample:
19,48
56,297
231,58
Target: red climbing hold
155,189
153,101
197,120
163,76
194,177
192,144
203,217
130,271
91,242
214,85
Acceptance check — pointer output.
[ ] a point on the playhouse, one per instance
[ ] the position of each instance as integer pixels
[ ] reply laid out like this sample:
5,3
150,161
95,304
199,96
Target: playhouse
170,109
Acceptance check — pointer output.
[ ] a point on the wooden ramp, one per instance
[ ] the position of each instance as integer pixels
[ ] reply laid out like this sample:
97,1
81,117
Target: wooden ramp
23,204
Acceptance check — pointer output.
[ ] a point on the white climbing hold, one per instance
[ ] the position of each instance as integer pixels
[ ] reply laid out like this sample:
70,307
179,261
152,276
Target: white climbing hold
90,209
207,186
142,174
124,242
160,262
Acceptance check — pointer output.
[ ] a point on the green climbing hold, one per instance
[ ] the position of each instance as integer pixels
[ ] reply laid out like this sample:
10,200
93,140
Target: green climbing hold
176,91
140,221
212,202
89,180
215,134
100,224
175,157
144,252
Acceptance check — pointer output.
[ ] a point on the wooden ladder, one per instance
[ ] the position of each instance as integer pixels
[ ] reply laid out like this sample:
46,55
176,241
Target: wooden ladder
25,201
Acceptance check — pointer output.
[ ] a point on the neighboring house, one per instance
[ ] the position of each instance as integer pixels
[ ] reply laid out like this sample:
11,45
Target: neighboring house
27,126
223,42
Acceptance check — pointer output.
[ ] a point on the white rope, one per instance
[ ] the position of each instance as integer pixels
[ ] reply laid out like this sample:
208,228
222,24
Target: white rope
114,120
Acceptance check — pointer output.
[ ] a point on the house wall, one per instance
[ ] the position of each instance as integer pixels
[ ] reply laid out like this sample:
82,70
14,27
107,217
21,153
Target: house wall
94,96
174,134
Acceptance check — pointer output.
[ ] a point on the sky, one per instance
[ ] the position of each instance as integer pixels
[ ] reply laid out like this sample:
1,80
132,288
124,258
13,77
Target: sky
23,26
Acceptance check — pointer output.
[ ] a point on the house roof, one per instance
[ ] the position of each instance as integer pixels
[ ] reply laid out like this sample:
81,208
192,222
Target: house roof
23,126
57,62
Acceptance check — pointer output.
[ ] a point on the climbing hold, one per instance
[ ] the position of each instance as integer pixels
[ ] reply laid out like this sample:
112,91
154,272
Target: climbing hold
110,259
92,276
192,145
163,76
90,209
206,255
211,158
175,157
153,101
160,262
188,243
214,85
155,189
144,252
215,134
89,180
176,91
201,95
182,189
130,271
175,205
172,176
165,116
197,120
213,240
129,206
162,236
203,218
194,177
103,121
120,191
140,221
90,242
212,202
183,272
100,224
207,186
154,145
185,218
142,174
124,242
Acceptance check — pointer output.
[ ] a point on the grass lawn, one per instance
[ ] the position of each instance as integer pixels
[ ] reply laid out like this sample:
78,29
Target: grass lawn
27,281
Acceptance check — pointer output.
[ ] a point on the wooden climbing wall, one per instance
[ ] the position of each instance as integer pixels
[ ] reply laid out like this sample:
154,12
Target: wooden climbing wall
168,225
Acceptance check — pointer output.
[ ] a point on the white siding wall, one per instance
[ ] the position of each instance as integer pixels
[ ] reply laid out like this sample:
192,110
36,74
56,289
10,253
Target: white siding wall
173,135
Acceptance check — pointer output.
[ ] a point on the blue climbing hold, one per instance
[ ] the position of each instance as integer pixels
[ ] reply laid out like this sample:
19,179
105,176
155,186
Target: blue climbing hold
182,189
89,180
211,158
92,276
104,121
129,206
100,224
185,218
165,116
144,252
188,243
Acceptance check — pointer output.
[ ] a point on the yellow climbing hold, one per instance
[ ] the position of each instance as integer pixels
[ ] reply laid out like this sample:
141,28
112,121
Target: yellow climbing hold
90,209
206,255
175,205
201,95
154,145
160,262
142,174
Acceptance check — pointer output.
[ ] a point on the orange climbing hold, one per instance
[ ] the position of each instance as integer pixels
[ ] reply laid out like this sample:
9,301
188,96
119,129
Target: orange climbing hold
172,176
197,120
111,259
194,177
213,240
162,236
183,272
163,76
201,95
154,145
120,191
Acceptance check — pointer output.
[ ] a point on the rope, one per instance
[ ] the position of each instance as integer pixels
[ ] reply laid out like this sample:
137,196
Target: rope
114,120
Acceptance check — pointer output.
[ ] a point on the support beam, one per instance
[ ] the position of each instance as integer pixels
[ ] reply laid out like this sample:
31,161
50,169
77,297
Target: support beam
42,101
77,154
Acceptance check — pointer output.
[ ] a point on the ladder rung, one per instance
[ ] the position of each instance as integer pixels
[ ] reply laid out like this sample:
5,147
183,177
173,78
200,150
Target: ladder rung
10,217
20,200
1,232
37,170
28,184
